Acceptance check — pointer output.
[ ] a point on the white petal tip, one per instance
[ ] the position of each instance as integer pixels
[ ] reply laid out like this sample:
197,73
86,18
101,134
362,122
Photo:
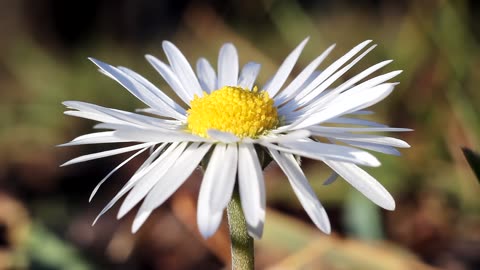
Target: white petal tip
255,235
139,221
122,212
66,103
95,221
321,220
326,228
228,44
149,57
255,232
375,163
385,201
367,159
389,204
168,45
364,43
135,228
208,226
95,61
206,231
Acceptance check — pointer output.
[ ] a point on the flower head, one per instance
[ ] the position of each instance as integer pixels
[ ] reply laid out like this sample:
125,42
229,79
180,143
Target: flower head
242,112
228,118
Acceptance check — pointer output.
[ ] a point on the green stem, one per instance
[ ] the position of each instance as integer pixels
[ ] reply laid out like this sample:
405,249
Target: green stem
242,243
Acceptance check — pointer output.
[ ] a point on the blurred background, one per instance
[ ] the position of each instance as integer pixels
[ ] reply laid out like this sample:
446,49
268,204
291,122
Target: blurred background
45,217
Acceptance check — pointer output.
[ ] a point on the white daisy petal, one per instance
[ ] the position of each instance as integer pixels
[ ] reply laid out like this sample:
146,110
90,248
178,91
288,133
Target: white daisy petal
171,181
217,187
140,190
90,115
267,84
324,85
256,231
113,171
326,151
292,136
97,137
252,189
117,116
284,70
214,166
221,191
177,121
329,71
206,75
145,164
133,86
224,137
145,168
248,75
166,128
169,76
89,111
156,135
209,224
292,112
307,82
315,129
204,209
295,86
302,189
342,105
355,121
375,81
227,66
366,138
372,82
182,69
389,150
106,153
352,81
367,84
364,183
170,104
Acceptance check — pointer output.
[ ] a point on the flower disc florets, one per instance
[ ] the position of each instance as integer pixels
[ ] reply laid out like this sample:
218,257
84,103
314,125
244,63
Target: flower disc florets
243,112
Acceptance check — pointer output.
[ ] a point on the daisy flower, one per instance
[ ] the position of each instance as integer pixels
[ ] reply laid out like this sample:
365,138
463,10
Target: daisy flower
225,119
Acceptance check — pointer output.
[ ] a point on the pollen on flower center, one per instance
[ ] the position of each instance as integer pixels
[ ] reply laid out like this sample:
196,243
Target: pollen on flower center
243,112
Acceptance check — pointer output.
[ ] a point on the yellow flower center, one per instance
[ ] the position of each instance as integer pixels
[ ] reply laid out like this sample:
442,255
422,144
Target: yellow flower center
232,109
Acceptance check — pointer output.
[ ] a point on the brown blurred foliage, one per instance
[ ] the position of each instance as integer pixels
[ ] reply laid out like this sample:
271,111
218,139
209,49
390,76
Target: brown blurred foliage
45,219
